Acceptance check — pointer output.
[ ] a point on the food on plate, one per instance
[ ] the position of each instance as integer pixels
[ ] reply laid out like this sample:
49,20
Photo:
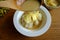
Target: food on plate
3,11
31,19
52,3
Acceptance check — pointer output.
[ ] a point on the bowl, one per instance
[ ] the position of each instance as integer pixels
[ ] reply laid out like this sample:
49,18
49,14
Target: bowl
52,7
27,32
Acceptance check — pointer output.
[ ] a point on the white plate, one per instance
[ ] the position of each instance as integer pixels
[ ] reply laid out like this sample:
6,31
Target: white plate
27,32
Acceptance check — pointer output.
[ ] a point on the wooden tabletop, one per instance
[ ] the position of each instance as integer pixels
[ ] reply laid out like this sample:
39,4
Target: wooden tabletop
8,32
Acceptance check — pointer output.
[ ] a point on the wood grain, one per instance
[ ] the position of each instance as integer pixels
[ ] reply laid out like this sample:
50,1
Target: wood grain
8,32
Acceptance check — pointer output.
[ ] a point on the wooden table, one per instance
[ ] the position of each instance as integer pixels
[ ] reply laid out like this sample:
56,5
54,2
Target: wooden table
8,32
